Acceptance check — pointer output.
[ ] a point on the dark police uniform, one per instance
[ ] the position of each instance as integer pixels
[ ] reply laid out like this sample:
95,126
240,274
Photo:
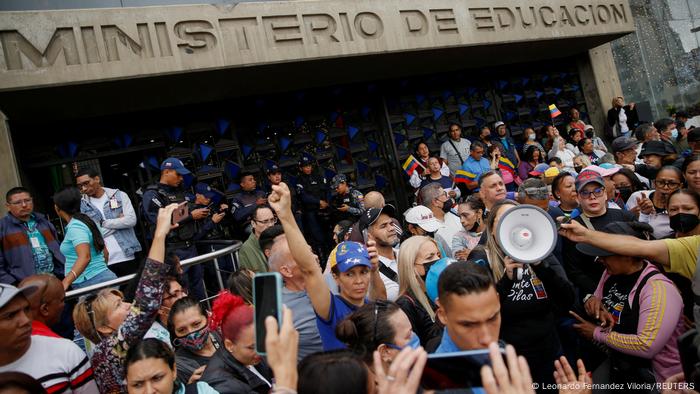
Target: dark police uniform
311,189
181,239
243,205
354,200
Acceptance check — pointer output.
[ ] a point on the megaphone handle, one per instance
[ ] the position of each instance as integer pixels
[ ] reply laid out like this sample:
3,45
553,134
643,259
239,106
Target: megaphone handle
519,274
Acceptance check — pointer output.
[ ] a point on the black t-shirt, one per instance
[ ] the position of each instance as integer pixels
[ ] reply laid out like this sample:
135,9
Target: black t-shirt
616,293
581,269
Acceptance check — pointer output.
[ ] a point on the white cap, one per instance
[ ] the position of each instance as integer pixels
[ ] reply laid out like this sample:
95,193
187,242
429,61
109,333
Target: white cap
423,217
497,125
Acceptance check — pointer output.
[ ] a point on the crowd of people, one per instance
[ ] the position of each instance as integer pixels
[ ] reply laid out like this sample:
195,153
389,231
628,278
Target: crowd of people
370,293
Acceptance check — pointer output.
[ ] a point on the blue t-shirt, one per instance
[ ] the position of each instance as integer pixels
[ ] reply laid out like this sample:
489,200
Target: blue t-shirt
476,167
326,328
78,233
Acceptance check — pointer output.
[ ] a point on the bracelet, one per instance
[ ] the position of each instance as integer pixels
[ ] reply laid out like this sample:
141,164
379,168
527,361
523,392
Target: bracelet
586,298
74,274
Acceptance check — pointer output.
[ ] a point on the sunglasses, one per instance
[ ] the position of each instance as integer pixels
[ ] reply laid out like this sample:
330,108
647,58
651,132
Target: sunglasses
91,313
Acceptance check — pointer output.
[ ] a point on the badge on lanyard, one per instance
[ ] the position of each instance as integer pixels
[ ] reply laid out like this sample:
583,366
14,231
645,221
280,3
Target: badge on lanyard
35,242
538,286
113,203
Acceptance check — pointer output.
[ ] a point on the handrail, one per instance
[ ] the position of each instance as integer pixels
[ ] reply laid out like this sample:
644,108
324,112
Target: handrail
235,245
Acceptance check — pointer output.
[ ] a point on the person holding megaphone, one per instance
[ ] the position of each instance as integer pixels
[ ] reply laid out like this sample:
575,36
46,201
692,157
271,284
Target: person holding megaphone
529,293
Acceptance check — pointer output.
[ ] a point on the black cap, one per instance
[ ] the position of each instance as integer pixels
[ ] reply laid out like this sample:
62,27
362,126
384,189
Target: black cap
305,161
623,143
371,215
272,169
635,229
655,148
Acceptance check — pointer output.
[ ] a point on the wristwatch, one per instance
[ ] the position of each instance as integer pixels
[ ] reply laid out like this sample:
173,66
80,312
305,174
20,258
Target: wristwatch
586,298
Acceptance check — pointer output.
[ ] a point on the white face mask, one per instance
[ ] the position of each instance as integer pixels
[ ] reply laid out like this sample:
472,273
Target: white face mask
531,137
674,133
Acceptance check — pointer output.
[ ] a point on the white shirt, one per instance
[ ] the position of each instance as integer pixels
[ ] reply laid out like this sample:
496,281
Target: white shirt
449,153
392,288
116,254
622,119
449,227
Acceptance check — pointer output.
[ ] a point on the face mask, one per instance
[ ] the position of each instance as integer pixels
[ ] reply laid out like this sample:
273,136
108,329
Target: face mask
589,134
426,268
486,138
414,343
684,222
447,205
625,192
194,340
578,168
674,133
531,137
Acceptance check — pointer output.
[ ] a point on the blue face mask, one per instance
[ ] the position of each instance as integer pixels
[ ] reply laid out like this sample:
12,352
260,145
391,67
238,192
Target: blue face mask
413,343
674,133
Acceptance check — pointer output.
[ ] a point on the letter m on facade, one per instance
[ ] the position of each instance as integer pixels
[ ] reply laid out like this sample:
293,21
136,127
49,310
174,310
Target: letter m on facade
15,45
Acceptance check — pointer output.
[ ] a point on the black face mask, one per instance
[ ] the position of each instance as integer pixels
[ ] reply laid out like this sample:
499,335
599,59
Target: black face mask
447,205
625,192
486,138
578,168
426,268
589,134
684,222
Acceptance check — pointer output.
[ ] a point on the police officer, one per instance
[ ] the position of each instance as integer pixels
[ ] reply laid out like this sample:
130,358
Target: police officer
348,202
243,203
312,189
274,177
211,229
181,239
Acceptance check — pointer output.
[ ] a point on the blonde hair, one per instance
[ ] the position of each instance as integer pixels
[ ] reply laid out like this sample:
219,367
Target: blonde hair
93,312
408,279
494,252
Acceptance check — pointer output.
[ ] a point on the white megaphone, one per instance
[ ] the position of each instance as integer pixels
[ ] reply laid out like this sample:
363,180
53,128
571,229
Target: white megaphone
526,234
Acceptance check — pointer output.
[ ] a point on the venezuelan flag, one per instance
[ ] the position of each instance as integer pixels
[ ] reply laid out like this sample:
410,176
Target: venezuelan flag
505,164
410,165
462,176
554,111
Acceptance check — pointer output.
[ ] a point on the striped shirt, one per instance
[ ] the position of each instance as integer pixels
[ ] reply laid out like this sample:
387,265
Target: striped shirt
58,364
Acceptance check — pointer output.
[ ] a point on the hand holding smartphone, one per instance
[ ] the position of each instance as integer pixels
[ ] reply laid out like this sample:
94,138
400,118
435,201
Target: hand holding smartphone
181,212
267,300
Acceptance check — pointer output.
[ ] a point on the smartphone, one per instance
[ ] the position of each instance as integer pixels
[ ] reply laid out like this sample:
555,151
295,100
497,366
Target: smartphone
267,299
180,213
365,236
457,370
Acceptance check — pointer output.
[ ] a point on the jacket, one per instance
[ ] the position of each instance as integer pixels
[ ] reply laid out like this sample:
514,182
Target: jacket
227,375
119,221
16,258
422,324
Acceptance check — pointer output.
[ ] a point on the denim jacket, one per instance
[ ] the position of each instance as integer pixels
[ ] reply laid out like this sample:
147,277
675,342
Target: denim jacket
122,227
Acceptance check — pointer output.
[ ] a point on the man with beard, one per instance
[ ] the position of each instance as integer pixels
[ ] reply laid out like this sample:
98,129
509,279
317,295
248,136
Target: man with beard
378,225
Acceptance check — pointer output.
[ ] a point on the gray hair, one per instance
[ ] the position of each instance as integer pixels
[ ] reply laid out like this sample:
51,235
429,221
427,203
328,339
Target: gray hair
430,192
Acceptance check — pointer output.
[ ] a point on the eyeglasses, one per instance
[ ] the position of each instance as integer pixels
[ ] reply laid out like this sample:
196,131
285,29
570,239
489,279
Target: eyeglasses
83,184
667,184
268,221
26,201
597,192
91,313
377,304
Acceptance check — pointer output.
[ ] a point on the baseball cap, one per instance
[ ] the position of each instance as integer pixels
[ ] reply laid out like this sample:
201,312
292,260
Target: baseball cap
635,229
172,163
534,188
605,169
588,176
272,169
203,189
623,143
588,127
305,161
422,217
350,254
539,169
551,172
338,179
371,215
9,292
498,124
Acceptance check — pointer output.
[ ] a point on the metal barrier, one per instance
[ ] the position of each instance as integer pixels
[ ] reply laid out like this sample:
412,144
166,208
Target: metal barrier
231,249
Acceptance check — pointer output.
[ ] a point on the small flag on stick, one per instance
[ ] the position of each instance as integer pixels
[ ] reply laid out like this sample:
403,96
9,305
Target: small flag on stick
411,165
462,176
554,111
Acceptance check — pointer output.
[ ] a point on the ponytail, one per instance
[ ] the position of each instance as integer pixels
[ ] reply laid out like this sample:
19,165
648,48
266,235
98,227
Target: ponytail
68,201
97,240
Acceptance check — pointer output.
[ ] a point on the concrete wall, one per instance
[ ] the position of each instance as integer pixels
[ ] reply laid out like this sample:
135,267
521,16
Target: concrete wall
9,174
61,47
600,83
